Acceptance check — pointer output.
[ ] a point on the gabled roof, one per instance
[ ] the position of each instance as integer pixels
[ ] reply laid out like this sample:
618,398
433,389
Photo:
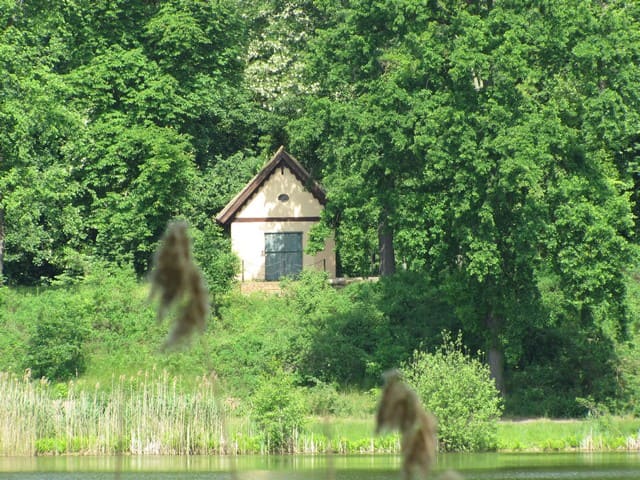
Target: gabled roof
280,159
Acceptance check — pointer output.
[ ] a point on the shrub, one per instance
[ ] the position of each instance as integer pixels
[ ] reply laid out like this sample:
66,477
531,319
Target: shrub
415,311
13,339
56,347
629,376
278,410
339,331
252,339
559,364
212,253
628,353
323,398
458,389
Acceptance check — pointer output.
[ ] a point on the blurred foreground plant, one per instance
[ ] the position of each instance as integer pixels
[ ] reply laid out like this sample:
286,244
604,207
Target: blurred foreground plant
400,409
178,281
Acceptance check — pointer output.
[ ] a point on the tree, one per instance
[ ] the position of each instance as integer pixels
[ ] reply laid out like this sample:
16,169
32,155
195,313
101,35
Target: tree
39,213
279,31
160,88
479,137
113,113
359,123
526,193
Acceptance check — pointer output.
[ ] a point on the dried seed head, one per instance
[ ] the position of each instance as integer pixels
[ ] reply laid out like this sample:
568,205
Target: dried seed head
171,263
178,281
400,409
419,445
193,313
397,407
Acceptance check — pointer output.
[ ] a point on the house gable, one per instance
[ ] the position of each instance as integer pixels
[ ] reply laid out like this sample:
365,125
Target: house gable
280,197
261,197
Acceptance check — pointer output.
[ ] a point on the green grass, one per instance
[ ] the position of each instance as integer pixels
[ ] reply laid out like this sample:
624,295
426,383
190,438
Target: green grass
603,433
347,428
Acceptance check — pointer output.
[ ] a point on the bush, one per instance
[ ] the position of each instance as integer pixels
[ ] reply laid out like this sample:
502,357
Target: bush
415,312
323,398
13,339
278,410
628,369
561,363
339,330
56,347
628,353
458,389
212,253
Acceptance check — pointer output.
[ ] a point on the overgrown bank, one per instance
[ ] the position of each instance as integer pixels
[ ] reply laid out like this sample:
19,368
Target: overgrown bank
312,352
150,414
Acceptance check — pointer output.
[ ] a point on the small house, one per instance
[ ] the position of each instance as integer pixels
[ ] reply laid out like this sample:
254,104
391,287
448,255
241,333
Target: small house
269,222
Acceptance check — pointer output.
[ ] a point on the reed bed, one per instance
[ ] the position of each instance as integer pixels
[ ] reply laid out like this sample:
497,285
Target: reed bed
143,414
153,413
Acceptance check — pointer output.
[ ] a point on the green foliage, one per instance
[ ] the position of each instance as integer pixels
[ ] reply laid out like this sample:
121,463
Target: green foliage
323,399
137,185
113,111
633,297
279,411
415,311
278,36
328,336
40,219
107,309
48,445
13,341
352,335
219,182
498,169
497,143
334,340
212,252
628,368
251,338
457,388
56,349
337,336
560,366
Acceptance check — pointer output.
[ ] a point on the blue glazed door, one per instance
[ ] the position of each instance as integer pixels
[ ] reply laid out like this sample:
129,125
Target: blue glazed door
283,255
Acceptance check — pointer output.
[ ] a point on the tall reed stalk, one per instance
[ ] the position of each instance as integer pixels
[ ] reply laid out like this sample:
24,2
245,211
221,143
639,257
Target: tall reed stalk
24,407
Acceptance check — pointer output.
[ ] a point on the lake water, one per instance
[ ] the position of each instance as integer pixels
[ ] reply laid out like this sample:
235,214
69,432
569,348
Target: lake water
488,466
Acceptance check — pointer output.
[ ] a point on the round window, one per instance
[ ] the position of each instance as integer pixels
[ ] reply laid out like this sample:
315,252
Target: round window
283,197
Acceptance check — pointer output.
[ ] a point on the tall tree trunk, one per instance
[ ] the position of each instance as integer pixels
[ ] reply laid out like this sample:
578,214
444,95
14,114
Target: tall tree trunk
387,253
495,355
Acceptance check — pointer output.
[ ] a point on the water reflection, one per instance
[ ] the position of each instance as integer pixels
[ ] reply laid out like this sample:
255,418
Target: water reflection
604,466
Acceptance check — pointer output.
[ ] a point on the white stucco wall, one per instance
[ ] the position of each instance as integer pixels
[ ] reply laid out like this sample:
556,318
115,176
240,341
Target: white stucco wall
248,243
248,227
